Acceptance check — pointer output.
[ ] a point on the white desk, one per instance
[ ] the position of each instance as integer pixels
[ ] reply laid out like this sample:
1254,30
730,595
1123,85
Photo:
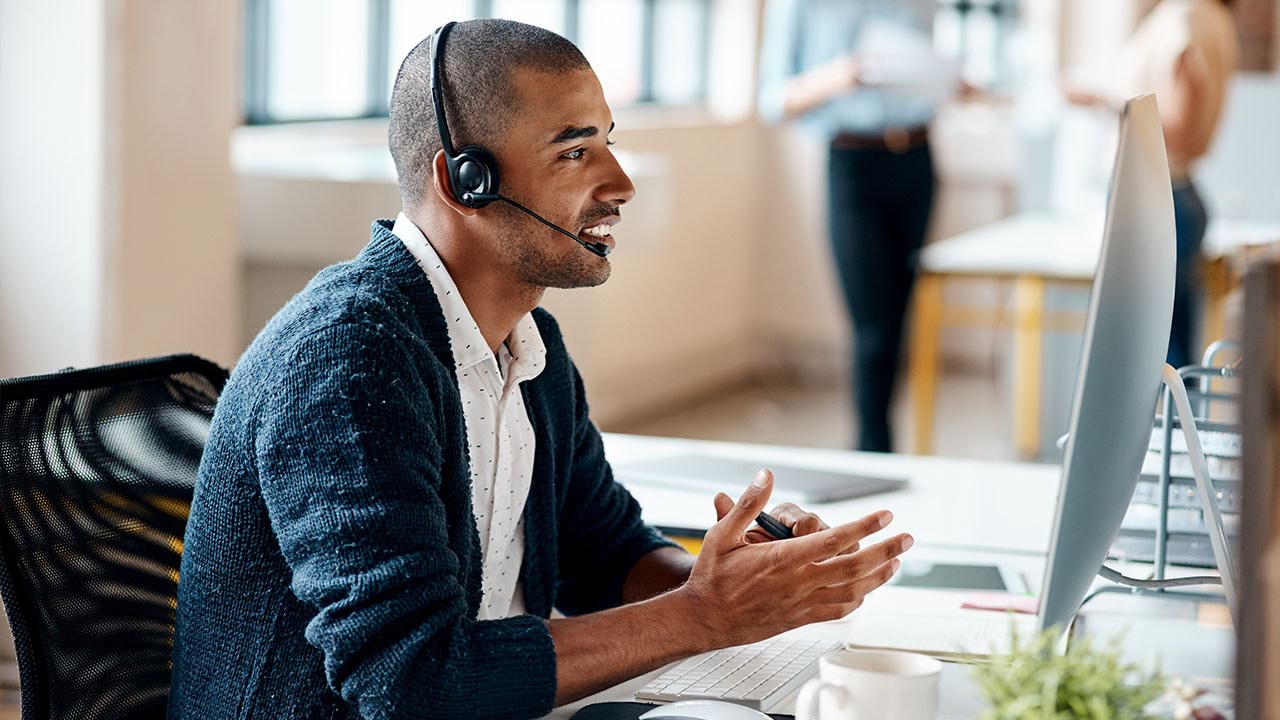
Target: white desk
947,505
958,511
1033,250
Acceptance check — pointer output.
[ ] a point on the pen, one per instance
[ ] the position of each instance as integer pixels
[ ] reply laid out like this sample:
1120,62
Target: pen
772,526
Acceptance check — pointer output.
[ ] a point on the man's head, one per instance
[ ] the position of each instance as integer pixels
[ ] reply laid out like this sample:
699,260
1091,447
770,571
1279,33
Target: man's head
529,97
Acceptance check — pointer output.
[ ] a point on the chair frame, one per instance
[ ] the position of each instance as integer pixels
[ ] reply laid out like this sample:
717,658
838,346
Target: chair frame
18,605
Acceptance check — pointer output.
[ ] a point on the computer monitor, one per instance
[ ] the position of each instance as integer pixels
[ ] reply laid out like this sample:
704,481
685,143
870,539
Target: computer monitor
1125,339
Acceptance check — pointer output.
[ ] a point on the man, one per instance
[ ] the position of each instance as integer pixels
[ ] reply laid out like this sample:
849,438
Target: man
402,481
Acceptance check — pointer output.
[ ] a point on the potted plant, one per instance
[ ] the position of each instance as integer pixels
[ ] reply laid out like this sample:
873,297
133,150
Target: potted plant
1037,682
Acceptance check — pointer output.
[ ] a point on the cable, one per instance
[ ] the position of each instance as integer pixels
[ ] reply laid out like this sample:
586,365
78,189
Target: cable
1121,579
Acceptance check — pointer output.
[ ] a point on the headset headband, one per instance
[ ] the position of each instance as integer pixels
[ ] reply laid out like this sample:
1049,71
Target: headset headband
437,85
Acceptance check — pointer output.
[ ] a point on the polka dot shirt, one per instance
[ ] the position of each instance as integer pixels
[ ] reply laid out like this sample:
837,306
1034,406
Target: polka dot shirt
500,438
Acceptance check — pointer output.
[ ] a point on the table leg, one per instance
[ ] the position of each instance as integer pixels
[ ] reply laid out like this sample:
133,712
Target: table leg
923,374
1217,283
1027,364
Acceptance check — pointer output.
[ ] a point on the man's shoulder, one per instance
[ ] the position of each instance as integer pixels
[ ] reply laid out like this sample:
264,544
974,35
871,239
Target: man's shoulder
348,315
346,295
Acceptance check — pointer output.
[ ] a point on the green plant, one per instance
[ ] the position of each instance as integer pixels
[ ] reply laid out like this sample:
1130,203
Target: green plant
1036,682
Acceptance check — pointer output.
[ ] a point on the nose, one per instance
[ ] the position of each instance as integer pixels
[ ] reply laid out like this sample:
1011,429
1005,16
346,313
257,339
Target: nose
617,188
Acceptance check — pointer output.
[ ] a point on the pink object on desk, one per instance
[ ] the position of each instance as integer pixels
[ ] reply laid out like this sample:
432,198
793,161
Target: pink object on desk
1003,602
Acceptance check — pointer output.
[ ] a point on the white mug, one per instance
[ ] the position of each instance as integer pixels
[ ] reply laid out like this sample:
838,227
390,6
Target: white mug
871,685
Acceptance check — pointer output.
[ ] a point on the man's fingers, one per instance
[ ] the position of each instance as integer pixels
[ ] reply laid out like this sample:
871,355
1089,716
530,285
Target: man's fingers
735,522
837,540
850,567
723,504
835,601
800,522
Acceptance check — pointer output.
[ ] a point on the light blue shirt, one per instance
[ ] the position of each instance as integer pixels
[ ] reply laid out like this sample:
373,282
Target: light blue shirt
803,34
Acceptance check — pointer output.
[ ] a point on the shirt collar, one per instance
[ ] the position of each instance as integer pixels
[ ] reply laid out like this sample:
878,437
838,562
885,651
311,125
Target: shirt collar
469,347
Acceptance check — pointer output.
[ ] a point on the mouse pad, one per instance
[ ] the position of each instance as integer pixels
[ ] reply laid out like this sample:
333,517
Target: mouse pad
628,711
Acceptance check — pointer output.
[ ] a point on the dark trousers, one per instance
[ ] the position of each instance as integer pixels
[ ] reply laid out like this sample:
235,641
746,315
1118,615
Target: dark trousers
1190,221
879,211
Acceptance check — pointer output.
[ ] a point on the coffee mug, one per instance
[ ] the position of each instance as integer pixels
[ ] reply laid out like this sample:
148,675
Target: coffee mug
871,685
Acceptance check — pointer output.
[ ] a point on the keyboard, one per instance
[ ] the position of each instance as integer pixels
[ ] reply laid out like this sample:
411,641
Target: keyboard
757,675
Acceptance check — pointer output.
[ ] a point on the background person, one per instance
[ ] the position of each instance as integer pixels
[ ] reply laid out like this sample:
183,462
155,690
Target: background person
862,75
1184,51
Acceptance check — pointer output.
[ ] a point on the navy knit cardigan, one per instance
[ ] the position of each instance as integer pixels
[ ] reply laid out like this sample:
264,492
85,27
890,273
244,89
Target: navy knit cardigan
332,566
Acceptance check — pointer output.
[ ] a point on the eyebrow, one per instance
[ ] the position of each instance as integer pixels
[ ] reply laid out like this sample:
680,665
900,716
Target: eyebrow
577,133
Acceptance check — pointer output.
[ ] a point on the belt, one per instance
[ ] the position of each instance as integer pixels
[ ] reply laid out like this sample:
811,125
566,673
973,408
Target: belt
895,139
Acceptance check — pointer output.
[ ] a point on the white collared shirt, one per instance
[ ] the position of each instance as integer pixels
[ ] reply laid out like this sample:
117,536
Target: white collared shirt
500,440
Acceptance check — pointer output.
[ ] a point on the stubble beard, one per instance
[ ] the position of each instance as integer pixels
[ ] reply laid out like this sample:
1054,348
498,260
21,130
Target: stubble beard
543,258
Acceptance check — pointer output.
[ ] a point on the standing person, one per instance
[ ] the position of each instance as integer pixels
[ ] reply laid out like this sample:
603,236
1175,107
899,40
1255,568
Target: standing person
402,479
826,62
1185,52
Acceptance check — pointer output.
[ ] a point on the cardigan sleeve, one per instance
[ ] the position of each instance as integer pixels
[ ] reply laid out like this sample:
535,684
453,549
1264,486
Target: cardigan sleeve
349,458
601,533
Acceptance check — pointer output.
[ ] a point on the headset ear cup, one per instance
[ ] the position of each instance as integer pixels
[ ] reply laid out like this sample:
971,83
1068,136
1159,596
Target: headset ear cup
473,170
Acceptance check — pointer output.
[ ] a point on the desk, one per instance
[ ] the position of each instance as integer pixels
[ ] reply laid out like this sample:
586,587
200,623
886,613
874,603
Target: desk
948,509
1033,250
941,507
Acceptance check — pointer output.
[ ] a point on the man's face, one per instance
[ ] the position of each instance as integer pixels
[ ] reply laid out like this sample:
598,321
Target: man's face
556,161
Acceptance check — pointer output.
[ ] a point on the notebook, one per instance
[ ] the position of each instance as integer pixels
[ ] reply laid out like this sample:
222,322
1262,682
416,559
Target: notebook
730,475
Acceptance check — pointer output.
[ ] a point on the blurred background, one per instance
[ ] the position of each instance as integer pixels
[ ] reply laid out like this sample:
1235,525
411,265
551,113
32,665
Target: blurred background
172,172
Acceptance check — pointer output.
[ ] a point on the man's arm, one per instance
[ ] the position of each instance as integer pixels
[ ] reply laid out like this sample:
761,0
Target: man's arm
661,570
733,596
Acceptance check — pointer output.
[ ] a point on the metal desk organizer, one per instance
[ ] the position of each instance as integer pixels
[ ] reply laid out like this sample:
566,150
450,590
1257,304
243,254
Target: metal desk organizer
1186,507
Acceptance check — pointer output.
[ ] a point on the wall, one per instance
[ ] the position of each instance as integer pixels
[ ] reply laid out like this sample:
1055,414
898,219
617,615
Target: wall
172,259
51,185
117,236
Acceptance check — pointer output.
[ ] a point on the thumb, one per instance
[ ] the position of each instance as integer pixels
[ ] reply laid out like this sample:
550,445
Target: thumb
735,520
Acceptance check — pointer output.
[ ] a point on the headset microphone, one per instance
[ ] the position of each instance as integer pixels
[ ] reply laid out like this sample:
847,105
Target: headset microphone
473,170
598,248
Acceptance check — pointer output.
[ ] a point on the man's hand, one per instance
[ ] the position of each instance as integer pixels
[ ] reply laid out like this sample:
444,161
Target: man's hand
746,591
800,522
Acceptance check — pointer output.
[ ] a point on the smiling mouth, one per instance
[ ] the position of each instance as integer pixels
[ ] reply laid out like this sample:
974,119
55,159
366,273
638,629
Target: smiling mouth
601,232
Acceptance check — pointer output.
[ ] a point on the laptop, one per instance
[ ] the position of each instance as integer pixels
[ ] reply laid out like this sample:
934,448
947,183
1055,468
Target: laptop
731,475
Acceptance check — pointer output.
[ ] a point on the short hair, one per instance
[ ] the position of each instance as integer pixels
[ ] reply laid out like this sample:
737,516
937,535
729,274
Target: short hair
479,96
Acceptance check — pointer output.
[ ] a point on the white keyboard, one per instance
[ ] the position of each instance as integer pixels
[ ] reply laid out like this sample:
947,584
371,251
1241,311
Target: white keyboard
756,675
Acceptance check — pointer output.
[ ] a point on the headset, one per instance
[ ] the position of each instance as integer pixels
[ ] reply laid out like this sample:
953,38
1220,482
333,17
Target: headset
473,170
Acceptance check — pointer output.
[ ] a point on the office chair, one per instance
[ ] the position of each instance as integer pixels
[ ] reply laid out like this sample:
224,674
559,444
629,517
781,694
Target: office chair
97,468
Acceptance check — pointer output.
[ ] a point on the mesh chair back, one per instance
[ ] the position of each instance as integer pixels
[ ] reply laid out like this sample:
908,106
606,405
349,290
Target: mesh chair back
97,468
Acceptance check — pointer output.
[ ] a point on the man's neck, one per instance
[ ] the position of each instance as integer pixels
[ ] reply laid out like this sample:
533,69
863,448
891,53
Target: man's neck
496,302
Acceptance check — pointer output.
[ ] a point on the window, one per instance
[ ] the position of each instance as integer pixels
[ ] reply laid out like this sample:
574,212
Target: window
978,32
337,59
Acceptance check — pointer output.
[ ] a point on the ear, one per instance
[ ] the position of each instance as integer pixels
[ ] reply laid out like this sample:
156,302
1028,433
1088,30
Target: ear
443,187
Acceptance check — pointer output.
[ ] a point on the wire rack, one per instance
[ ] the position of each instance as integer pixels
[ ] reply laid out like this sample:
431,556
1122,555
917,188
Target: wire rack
1168,523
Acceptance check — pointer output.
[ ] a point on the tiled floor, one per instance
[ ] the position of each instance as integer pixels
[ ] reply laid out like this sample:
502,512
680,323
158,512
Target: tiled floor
971,420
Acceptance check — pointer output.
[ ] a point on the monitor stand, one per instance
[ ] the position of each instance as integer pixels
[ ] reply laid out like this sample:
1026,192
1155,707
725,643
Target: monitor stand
1222,554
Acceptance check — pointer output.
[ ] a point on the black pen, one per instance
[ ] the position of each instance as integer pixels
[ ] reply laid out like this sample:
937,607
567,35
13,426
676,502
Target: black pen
772,526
